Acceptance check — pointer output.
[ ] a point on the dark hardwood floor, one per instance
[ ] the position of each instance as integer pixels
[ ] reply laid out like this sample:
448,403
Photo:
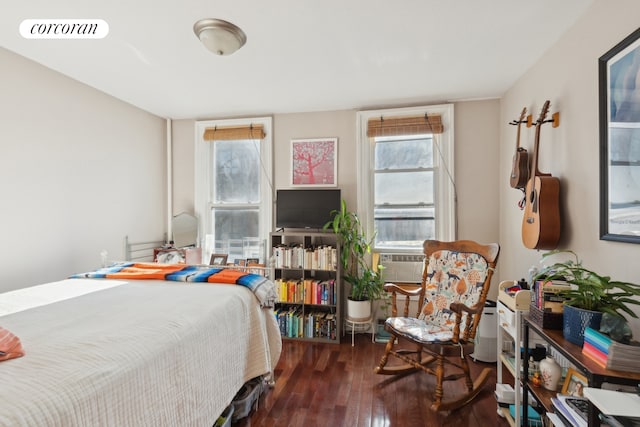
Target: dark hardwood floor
334,385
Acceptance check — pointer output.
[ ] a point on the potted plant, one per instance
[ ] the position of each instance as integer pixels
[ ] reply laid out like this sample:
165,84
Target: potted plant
591,295
366,282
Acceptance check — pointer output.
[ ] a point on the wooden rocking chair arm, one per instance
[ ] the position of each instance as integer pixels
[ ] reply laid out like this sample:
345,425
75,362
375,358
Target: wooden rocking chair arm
393,288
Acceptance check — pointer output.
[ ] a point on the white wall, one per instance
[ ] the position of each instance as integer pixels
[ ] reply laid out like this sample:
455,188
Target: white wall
476,172
79,170
567,75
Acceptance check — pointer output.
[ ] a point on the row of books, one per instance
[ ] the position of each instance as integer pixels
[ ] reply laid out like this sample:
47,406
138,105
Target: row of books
610,354
307,291
293,323
548,295
311,258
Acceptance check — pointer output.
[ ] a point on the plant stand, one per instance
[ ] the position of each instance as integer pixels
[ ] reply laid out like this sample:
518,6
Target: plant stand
359,325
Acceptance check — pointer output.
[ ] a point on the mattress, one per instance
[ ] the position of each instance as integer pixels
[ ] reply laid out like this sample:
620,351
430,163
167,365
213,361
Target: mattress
142,353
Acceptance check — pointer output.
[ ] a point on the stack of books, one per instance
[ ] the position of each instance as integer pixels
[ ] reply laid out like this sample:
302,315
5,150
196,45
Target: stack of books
549,295
571,411
611,354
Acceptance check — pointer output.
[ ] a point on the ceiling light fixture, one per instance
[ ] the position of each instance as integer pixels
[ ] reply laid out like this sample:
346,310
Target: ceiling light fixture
220,37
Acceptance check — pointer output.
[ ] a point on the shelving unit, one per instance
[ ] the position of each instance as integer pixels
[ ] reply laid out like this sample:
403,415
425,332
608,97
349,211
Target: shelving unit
306,269
510,309
595,374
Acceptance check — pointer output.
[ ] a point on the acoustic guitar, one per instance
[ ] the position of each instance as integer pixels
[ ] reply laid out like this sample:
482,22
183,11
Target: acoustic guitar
520,167
541,220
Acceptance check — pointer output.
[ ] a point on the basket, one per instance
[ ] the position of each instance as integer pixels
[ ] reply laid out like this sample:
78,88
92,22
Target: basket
576,321
247,398
545,319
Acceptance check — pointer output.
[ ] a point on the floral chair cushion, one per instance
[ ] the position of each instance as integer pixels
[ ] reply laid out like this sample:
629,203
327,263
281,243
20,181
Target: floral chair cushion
451,277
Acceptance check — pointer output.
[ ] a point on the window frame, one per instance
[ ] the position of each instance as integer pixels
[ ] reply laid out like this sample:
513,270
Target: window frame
443,163
204,183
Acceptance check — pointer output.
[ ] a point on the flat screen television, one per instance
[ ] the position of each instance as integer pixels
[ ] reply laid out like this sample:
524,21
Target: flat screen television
305,208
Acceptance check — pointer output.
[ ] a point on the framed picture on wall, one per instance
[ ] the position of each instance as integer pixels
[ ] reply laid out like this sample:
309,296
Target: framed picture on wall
314,162
619,93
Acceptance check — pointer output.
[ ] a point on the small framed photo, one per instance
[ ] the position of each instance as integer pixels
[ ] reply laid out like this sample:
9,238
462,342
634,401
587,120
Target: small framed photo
314,162
218,259
574,383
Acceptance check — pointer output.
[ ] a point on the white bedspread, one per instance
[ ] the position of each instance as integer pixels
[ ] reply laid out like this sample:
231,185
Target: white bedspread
147,353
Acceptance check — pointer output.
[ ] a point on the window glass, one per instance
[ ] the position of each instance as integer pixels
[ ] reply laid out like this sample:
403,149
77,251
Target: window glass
403,188
237,171
403,152
235,223
403,191
403,228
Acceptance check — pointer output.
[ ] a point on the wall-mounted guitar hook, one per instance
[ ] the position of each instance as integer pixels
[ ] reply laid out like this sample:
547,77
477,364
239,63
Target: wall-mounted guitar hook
555,120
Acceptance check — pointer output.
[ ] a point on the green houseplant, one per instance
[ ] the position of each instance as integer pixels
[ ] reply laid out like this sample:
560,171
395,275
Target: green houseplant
355,249
590,292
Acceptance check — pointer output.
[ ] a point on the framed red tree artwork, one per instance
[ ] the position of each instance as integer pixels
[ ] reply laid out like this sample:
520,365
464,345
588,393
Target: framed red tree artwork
314,162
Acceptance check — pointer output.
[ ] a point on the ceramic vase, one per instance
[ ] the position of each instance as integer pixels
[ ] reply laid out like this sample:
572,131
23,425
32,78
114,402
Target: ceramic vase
551,372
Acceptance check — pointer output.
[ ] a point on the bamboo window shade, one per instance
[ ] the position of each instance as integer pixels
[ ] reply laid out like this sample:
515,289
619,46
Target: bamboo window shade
412,125
230,133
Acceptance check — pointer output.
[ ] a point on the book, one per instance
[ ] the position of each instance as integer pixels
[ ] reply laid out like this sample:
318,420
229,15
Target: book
597,339
556,420
594,354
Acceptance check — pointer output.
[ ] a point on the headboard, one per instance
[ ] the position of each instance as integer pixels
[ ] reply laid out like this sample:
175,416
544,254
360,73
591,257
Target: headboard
140,251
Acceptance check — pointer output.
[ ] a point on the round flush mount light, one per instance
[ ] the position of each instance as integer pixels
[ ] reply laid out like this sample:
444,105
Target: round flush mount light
220,37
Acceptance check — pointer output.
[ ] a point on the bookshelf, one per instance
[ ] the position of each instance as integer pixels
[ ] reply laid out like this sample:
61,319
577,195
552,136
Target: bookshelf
596,375
306,269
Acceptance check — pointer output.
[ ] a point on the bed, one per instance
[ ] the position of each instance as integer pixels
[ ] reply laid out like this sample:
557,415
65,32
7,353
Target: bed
133,352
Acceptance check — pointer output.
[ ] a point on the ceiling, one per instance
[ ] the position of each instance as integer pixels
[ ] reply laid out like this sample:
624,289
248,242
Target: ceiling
300,55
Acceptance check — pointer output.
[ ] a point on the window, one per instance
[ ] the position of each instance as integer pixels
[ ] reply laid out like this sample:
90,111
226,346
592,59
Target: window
405,187
233,187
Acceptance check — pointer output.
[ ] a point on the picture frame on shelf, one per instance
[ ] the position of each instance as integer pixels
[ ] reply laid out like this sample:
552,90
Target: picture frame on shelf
574,383
218,259
619,112
314,162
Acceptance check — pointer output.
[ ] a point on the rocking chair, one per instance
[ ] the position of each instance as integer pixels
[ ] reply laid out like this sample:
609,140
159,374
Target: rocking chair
455,282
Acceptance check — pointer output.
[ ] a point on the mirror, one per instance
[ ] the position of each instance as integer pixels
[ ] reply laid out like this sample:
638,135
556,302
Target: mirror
185,230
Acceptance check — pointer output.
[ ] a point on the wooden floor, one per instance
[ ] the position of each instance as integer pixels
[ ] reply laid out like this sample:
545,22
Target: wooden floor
334,385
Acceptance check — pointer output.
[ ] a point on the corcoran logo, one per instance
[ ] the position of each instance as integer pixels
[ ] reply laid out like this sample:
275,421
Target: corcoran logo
64,29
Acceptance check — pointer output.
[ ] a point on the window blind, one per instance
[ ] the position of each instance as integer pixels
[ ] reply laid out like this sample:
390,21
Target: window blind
229,133
412,125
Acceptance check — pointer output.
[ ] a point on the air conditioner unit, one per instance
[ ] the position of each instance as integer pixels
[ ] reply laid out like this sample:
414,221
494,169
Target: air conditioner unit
405,268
